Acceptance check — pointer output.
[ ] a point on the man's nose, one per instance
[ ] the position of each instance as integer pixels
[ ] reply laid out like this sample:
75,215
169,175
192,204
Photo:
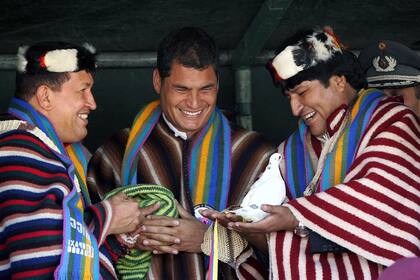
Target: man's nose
90,100
296,106
193,99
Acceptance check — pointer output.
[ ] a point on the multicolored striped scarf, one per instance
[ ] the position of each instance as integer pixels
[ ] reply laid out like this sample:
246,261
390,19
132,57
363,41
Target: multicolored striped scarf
209,159
80,258
299,168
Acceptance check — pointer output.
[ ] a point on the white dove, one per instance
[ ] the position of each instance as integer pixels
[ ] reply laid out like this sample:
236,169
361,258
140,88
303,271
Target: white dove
268,189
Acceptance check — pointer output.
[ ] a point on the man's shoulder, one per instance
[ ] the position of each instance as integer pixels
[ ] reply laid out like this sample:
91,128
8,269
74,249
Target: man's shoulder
22,150
392,109
104,168
20,134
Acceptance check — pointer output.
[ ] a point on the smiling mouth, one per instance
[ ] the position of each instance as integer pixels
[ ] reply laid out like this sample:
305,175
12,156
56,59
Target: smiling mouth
308,116
83,116
192,114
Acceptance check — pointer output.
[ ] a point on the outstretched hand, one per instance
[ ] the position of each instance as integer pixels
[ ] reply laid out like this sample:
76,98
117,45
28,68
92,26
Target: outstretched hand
280,218
223,218
226,219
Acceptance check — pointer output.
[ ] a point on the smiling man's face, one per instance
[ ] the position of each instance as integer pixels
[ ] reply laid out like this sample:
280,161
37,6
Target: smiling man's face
70,107
313,103
188,96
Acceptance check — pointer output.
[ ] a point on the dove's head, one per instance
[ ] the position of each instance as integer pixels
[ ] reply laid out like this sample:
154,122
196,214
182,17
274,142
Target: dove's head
317,75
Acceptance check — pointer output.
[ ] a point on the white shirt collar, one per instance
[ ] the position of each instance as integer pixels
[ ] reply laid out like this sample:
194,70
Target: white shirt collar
181,134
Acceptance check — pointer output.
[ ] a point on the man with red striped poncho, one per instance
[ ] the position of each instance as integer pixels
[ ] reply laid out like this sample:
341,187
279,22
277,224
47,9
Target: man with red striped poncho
351,169
49,229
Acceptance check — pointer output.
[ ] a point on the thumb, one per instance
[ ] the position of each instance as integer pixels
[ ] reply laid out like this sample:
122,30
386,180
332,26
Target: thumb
183,213
268,208
148,210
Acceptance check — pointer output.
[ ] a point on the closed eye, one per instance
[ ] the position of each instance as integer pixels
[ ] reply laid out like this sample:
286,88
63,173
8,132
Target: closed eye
180,89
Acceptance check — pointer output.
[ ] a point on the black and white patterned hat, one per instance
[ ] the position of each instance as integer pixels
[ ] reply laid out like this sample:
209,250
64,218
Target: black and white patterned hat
389,64
316,48
55,57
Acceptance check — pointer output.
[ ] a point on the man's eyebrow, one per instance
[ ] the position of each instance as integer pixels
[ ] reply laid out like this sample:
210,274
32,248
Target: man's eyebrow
180,86
86,84
208,85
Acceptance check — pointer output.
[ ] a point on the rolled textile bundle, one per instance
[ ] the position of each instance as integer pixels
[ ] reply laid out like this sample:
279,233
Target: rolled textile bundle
136,263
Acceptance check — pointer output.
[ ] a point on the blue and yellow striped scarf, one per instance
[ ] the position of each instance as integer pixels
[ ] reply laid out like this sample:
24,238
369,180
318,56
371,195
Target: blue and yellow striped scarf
209,160
80,257
299,168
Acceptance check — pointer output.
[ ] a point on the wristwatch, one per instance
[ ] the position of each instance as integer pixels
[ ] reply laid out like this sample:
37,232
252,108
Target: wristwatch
301,230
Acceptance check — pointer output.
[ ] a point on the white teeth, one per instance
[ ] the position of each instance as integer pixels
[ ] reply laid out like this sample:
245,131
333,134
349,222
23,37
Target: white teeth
192,113
83,116
308,116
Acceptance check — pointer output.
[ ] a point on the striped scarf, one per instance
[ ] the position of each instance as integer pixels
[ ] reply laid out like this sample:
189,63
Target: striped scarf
79,259
209,160
299,169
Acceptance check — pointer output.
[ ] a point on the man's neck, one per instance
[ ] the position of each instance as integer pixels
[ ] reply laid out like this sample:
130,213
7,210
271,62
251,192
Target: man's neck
181,134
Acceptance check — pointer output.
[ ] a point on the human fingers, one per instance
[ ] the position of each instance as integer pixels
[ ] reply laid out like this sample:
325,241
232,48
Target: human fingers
271,223
150,243
233,217
272,209
165,250
153,220
244,227
161,240
153,229
148,210
155,247
211,214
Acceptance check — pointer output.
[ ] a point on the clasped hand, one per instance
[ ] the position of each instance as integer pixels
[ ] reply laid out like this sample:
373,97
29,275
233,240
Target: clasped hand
161,234
127,217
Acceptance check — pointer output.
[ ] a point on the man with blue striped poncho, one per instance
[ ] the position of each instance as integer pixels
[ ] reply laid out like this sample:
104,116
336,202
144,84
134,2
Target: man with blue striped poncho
49,229
184,142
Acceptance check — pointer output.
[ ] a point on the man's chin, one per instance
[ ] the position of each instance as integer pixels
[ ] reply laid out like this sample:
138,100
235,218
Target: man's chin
79,137
317,132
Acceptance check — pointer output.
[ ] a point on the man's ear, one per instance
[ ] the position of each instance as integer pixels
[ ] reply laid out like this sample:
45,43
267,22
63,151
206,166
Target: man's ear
338,82
43,98
157,82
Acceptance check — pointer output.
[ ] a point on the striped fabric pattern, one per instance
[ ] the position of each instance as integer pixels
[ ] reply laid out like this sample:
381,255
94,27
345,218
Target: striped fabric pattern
79,259
374,212
79,156
164,161
209,160
209,163
142,126
300,169
34,182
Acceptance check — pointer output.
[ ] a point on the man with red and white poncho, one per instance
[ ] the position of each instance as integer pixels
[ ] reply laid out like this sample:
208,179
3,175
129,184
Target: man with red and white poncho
352,170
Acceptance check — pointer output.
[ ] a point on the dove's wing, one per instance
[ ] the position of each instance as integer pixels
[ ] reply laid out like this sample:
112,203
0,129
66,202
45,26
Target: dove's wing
269,188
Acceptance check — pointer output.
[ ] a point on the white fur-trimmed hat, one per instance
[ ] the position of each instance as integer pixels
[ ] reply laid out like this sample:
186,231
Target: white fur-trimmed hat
315,48
55,57
389,64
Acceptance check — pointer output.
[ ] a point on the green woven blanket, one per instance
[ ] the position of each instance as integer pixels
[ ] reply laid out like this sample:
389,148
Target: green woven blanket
136,263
